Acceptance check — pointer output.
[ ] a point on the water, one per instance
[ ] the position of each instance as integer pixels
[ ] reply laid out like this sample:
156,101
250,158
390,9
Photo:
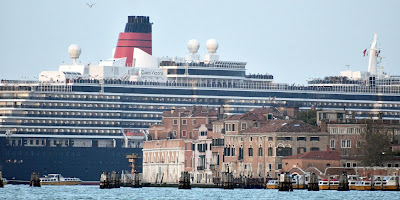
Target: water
94,192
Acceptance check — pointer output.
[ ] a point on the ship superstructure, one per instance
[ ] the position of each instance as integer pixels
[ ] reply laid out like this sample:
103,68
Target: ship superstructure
83,119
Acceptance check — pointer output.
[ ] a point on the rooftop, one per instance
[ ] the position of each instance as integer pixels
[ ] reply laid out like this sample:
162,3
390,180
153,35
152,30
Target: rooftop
192,112
283,126
317,155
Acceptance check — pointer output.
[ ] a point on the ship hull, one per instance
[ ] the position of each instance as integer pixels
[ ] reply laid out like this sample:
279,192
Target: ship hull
86,163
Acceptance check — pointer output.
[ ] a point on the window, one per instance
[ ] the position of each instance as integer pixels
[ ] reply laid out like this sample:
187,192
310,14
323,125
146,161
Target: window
240,153
233,151
348,164
280,151
250,151
269,151
314,149
346,144
314,138
260,151
270,139
301,139
279,166
175,122
233,127
358,144
350,130
301,150
332,144
184,121
174,133
194,122
183,133
354,164
244,126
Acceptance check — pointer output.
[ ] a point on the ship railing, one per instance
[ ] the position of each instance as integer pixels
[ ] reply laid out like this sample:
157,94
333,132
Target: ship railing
257,86
57,87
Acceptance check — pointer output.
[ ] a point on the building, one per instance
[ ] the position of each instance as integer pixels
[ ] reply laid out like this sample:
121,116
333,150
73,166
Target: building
164,160
183,123
348,137
190,127
318,159
255,143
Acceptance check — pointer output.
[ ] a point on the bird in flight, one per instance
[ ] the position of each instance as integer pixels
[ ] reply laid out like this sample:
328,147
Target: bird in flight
90,5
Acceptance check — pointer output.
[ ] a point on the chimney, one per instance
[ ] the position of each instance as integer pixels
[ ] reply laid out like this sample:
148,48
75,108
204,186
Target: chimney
323,126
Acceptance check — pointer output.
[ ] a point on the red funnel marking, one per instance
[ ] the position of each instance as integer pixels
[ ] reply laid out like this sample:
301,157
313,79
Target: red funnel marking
137,35
128,41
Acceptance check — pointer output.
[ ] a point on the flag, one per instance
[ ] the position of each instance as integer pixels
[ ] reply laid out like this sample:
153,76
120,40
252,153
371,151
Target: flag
365,51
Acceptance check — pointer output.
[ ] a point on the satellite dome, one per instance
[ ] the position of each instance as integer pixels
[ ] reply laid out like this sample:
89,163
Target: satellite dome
193,46
212,46
74,51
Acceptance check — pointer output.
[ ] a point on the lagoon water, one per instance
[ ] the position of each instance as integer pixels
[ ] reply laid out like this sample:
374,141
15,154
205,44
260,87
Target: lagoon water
94,192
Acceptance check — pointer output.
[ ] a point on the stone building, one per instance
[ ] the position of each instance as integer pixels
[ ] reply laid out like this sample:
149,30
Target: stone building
164,160
255,143
318,159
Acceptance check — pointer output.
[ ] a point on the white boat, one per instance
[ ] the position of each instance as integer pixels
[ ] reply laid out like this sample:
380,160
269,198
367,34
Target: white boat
58,179
5,181
272,184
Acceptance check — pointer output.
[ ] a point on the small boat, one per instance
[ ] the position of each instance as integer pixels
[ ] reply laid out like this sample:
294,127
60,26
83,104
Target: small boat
58,179
300,182
353,179
272,184
325,184
365,184
5,181
391,183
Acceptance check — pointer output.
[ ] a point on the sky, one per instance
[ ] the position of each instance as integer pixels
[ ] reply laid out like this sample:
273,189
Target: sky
294,40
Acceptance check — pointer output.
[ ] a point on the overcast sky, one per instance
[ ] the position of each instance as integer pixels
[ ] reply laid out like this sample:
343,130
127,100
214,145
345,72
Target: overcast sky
293,40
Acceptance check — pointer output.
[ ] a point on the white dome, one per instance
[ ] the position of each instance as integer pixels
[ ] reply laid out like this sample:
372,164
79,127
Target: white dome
193,46
212,46
74,51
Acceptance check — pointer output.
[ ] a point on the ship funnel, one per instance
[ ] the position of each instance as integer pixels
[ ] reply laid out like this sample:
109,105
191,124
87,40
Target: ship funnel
137,35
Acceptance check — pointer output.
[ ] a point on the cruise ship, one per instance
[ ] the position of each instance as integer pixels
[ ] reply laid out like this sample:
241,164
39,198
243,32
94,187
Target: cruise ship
84,119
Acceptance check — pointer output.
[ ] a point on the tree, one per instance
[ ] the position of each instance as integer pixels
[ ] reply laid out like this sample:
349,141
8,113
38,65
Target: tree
375,145
308,116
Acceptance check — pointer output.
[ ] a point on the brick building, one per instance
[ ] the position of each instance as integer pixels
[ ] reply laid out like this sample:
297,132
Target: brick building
183,123
253,144
346,136
190,127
